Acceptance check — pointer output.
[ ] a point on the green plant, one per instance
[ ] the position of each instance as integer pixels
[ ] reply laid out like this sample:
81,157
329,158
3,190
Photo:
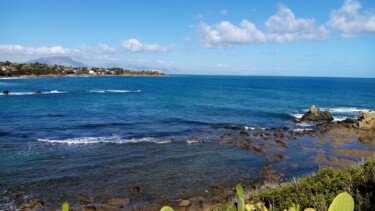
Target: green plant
166,208
241,201
343,202
65,206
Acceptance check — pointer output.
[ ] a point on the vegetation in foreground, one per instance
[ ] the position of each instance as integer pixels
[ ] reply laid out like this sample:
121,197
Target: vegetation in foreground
347,189
9,69
319,190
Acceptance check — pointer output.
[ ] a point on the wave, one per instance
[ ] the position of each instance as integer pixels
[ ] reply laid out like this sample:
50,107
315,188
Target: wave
114,91
298,116
338,114
33,93
235,127
13,78
347,110
106,139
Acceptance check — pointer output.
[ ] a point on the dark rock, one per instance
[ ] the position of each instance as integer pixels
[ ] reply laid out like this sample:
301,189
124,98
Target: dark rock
89,208
281,143
242,133
5,92
135,190
279,157
315,115
225,136
245,146
38,92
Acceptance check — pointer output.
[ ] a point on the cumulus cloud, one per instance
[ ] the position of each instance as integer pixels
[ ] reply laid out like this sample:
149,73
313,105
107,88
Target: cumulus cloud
135,46
285,27
281,27
348,20
225,34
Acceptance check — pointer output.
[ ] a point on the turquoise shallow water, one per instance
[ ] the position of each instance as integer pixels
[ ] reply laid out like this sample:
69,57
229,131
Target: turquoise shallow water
103,135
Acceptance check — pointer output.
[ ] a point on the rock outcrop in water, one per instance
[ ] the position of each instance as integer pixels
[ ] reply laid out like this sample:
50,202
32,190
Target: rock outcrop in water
316,115
366,121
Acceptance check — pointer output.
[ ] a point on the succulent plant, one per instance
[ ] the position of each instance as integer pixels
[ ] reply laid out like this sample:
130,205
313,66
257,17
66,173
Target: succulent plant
343,202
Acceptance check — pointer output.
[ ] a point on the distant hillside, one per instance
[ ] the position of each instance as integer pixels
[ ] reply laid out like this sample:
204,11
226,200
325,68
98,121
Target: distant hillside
40,68
58,60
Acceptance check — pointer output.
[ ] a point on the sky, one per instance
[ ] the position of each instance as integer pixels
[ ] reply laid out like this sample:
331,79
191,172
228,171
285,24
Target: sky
333,38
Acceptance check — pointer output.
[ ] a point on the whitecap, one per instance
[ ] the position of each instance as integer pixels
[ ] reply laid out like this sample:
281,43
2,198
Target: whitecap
54,92
106,139
347,110
298,116
32,93
305,124
97,91
114,91
123,91
254,128
339,118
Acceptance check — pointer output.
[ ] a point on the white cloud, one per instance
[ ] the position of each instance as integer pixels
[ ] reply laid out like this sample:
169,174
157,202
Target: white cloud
18,49
285,27
281,27
225,34
104,48
55,50
135,46
348,20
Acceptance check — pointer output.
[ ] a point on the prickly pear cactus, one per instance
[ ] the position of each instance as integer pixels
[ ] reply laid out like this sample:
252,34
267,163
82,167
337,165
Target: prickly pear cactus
65,206
166,208
343,202
241,202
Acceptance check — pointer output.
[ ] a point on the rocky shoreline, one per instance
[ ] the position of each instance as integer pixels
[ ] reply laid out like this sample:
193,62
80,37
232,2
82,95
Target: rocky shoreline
326,142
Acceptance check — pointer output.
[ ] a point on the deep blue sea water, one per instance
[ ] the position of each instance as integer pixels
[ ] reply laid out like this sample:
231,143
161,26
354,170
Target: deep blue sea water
103,135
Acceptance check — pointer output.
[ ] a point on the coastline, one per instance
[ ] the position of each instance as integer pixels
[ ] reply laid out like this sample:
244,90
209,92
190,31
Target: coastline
9,69
83,75
276,145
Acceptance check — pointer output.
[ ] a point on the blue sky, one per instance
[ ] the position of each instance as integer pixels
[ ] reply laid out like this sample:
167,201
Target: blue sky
284,37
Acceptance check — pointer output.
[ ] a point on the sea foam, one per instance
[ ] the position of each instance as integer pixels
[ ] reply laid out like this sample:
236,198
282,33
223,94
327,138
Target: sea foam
114,91
33,93
105,139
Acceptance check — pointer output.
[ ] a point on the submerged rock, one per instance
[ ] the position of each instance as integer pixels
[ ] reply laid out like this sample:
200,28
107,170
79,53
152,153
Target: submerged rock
31,206
38,92
5,92
184,203
118,202
315,115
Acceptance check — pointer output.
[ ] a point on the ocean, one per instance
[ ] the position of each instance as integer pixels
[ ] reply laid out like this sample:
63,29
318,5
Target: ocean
101,136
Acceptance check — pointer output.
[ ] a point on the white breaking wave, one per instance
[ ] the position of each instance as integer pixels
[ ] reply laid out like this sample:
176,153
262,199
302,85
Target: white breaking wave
108,139
254,128
298,116
33,93
12,78
346,110
114,91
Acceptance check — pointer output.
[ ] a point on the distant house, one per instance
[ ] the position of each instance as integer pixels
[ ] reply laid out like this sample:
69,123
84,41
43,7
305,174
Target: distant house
156,71
91,72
